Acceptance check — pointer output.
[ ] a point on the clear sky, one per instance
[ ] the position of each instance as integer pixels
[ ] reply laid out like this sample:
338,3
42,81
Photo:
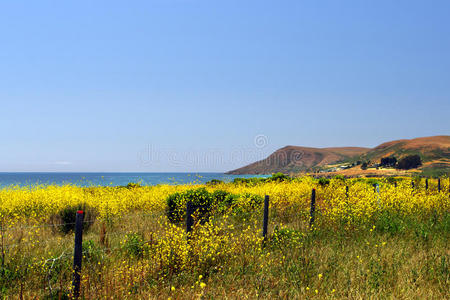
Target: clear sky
190,85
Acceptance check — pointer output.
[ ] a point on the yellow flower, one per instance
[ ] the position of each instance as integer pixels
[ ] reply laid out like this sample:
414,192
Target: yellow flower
202,285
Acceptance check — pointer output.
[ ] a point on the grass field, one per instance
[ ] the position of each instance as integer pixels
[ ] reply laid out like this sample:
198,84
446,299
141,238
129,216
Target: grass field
363,244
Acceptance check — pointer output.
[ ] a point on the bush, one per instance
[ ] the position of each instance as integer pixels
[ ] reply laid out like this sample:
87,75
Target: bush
214,182
65,219
206,203
324,181
388,162
134,245
223,200
249,181
92,253
409,162
339,177
364,166
175,207
200,198
133,185
254,201
278,177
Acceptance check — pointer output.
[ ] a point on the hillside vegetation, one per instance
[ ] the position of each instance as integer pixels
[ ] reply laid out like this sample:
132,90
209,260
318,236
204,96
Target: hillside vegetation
433,151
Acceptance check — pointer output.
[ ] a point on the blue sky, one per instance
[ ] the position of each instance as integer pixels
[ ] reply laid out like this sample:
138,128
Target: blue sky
187,85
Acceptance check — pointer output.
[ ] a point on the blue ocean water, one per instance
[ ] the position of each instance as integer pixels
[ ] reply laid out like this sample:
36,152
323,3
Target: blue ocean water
110,179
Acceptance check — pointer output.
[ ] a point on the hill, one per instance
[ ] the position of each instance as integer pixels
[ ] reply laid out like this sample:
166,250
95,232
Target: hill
434,152
293,159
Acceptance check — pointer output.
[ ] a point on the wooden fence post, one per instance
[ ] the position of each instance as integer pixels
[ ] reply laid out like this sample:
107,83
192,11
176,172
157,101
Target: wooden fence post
78,254
426,184
265,217
313,208
346,191
439,185
412,183
189,218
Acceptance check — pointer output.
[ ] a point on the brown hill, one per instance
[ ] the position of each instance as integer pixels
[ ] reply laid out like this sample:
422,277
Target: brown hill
429,148
291,159
434,151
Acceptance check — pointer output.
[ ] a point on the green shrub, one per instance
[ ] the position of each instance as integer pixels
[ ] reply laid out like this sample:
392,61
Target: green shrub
324,181
255,201
278,177
389,222
205,203
372,181
200,198
134,245
339,177
175,207
92,253
214,182
249,181
133,185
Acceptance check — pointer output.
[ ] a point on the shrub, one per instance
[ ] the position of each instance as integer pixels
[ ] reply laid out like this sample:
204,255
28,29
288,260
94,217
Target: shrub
133,185
388,161
253,201
134,245
364,166
176,204
91,252
223,199
278,177
65,219
324,181
214,182
339,177
206,203
175,208
409,162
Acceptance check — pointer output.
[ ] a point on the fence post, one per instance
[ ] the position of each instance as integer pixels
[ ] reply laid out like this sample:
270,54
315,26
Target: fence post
189,218
377,189
78,255
346,191
426,184
439,185
266,217
412,183
313,207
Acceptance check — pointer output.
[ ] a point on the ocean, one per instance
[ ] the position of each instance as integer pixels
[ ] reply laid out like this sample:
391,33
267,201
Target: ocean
110,179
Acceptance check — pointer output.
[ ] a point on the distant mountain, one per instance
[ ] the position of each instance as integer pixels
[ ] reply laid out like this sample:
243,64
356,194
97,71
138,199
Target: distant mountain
293,159
434,151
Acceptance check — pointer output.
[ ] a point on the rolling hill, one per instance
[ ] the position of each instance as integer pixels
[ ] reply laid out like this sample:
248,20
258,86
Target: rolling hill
434,152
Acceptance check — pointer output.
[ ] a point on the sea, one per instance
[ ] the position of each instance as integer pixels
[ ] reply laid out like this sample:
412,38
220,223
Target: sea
29,179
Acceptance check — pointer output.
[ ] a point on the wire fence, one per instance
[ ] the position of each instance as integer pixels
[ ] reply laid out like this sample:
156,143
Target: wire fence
49,264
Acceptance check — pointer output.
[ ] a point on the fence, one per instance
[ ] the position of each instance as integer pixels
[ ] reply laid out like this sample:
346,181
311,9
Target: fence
190,209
